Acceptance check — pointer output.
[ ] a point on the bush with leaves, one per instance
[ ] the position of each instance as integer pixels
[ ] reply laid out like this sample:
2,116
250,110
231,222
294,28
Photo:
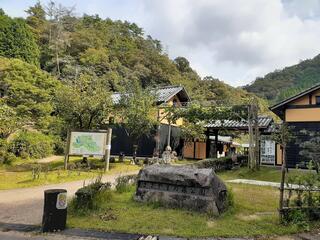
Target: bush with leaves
5,156
217,164
32,144
89,197
303,202
124,183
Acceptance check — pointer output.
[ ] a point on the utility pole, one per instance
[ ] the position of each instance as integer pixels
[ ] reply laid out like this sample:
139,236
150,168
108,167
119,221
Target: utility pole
108,150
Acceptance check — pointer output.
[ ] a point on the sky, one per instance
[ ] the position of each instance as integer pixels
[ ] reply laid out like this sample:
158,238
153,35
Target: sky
235,41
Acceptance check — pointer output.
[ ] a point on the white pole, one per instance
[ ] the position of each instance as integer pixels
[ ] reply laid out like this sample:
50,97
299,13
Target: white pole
108,150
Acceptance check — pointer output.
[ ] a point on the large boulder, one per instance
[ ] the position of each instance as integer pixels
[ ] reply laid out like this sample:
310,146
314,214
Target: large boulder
182,186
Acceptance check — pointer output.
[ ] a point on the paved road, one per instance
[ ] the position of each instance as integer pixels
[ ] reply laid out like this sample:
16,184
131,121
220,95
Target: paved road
35,236
25,205
50,159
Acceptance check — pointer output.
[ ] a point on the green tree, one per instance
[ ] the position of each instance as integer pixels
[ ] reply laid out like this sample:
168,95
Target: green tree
36,19
17,40
27,90
137,113
85,103
9,121
59,25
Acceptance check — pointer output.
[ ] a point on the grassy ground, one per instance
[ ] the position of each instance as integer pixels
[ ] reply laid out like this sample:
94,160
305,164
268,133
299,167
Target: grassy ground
19,174
254,213
272,174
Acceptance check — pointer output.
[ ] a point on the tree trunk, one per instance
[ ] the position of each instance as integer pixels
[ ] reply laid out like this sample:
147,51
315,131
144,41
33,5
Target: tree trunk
250,130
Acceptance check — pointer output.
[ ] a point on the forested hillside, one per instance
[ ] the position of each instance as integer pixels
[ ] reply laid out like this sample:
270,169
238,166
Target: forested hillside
282,84
58,71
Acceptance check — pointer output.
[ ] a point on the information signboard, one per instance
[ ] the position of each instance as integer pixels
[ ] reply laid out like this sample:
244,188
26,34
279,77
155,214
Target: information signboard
87,143
268,153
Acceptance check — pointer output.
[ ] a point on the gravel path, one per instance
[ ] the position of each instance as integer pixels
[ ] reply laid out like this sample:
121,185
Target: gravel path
25,205
50,159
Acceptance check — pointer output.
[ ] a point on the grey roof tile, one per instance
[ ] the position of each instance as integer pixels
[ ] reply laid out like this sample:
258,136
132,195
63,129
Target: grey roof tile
162,94
263,122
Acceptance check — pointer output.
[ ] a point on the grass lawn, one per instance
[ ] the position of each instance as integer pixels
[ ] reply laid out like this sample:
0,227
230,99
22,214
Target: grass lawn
255,213
19,175
185,161
272,174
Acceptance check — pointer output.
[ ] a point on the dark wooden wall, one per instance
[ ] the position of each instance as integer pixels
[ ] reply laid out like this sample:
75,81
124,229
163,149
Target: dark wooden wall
121,142
293,149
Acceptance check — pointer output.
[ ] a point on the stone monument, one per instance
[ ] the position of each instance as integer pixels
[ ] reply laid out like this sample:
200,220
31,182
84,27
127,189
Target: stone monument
183,187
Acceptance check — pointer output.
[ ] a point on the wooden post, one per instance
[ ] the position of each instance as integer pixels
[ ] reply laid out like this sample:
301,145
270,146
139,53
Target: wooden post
215,155
208,143
257,138
283,175
108,150
66,155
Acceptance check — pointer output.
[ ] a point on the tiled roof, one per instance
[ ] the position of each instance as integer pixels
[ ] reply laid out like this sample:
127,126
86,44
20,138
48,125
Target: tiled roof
163,94
263,122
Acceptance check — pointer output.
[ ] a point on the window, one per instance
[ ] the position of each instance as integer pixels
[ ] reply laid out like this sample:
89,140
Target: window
318,100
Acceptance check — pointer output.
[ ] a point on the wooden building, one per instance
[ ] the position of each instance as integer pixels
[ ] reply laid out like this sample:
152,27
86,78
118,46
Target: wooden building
300,112
165,96
197,148
214,145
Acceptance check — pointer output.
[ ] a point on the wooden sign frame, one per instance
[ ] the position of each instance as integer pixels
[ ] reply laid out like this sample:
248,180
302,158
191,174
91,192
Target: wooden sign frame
67,150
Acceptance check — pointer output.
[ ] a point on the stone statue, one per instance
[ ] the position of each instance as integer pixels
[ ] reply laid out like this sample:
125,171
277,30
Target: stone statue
166,155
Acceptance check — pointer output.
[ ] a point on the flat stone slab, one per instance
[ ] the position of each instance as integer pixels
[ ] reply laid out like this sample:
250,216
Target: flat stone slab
183,187
261,183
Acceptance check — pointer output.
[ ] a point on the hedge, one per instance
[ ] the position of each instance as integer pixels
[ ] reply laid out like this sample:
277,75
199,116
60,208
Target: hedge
220,164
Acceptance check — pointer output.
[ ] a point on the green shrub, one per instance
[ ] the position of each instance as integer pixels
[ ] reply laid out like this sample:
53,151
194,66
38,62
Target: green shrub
298,217
5,156
31,144
217,164
59,146
124,183
230,198
91,196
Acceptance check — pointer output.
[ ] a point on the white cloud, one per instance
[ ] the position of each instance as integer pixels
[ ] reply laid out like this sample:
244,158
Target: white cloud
235,41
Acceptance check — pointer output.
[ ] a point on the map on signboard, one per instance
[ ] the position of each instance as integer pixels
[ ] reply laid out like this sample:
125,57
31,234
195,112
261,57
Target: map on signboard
87,143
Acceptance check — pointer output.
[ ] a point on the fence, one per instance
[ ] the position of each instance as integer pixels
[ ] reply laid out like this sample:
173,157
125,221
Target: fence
303,199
